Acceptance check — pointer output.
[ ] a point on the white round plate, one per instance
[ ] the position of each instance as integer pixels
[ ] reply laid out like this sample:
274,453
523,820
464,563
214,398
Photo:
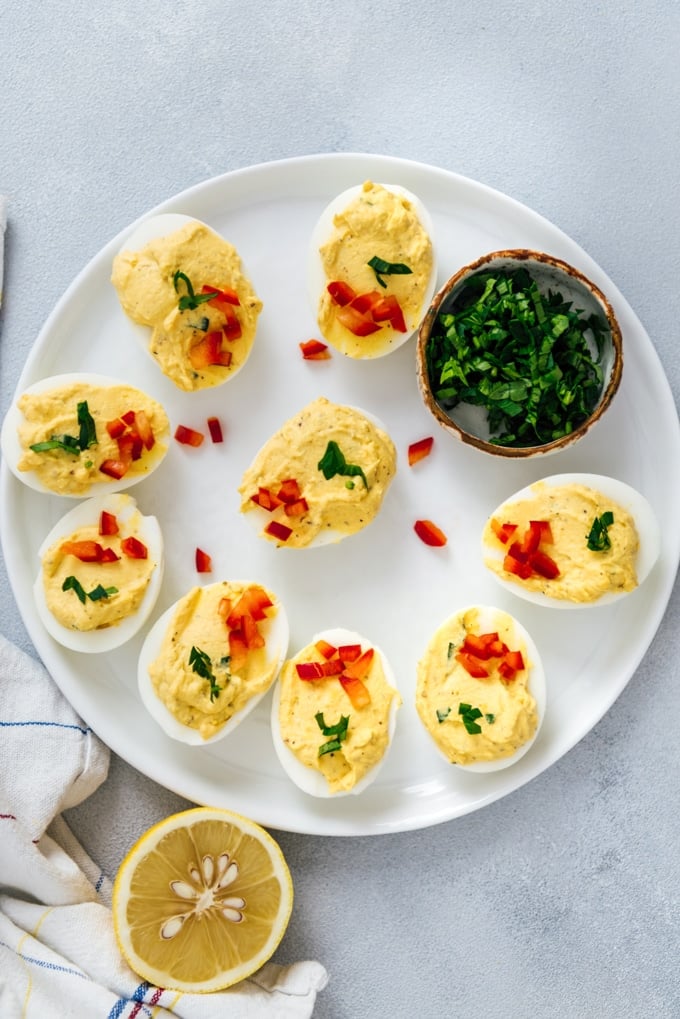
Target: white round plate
383,581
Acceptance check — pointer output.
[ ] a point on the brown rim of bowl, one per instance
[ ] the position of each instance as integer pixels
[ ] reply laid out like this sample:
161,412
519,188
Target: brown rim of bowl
518,452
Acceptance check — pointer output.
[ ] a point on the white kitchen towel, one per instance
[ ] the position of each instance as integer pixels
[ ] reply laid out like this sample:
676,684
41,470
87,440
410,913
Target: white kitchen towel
58,954
3,224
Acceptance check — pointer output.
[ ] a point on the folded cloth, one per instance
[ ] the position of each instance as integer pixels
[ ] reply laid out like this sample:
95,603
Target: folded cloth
58,953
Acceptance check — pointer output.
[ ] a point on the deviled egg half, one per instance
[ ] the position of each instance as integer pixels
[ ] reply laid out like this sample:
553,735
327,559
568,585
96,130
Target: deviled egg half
320,478
372,270
101,568
70,433
210,658
572,540
334,713
180,279
481,689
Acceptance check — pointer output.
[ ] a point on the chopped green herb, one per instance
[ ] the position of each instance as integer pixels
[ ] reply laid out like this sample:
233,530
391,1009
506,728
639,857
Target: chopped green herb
86,437
337,731
190,300
382,268
598,539
490,718
443,714
470,716
333,462
525,357
202,666
451,648
96,594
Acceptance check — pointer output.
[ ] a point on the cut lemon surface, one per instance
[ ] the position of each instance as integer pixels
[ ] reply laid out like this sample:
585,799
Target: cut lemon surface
202,900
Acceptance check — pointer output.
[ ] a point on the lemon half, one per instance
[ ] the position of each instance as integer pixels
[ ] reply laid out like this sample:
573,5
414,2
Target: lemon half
201,901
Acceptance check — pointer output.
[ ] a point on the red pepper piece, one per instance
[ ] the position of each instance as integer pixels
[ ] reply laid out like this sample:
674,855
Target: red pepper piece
543,565
133,548
356,690
225,295
278,531
503,531
208,351
515,660
473,665
359,668
310,670
325,649
341,292
145,430
356,322
109,556
115,427
254,602
238,650
430,533
511,564
506,671
366,302
289,491
203,561
87,551
264,498
297,508
315,350
419,450
188,436
232,327
114,468
349,652
108,523
388,308
130,446
215,429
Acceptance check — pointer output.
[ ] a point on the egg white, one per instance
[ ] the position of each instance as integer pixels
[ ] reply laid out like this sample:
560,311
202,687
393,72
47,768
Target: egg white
628,498
276,645
258,518
307,779
13,451
489,617
152,229
316,277
147,529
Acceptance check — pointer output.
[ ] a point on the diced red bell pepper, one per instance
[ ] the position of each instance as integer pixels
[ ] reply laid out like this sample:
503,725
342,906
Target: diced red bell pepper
108,523
359,668
506,671
349,652
264,498
133,548
515,660
86,550
389,309
419,450
430,533
289,491
215,429
114,468
356,322
511,564
232,326
130,446
115,427
325,649
278,531
341,292
503,531
223,295
473,665
544,565
366,302
238,650
145,430
310,670
251,633
297,508
208,351
188,436
315,350
109,556
203,561
254,602
356,690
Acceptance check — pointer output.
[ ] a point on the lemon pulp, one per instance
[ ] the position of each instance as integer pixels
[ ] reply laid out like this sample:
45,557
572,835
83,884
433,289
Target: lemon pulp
202,900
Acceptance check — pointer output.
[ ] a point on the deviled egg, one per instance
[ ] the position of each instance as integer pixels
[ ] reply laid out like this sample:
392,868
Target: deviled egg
100,574
334,713
70,433
481,689
372,269
180,279
210,658
572,540
320,478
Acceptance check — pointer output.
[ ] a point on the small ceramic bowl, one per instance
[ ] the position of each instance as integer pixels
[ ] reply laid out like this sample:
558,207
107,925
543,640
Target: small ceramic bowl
470,422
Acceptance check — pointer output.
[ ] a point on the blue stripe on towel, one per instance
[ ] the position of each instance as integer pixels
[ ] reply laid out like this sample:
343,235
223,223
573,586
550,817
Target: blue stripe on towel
137,997
55,725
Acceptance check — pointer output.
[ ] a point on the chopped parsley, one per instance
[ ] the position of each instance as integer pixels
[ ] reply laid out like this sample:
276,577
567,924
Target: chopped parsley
469,716
598,539
96,594
190,300
443,714
202,666
76,444
382,268
333,462
524,356
337,731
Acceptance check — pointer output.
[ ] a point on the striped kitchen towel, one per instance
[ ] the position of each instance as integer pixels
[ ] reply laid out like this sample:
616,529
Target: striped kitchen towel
58,954
3,224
